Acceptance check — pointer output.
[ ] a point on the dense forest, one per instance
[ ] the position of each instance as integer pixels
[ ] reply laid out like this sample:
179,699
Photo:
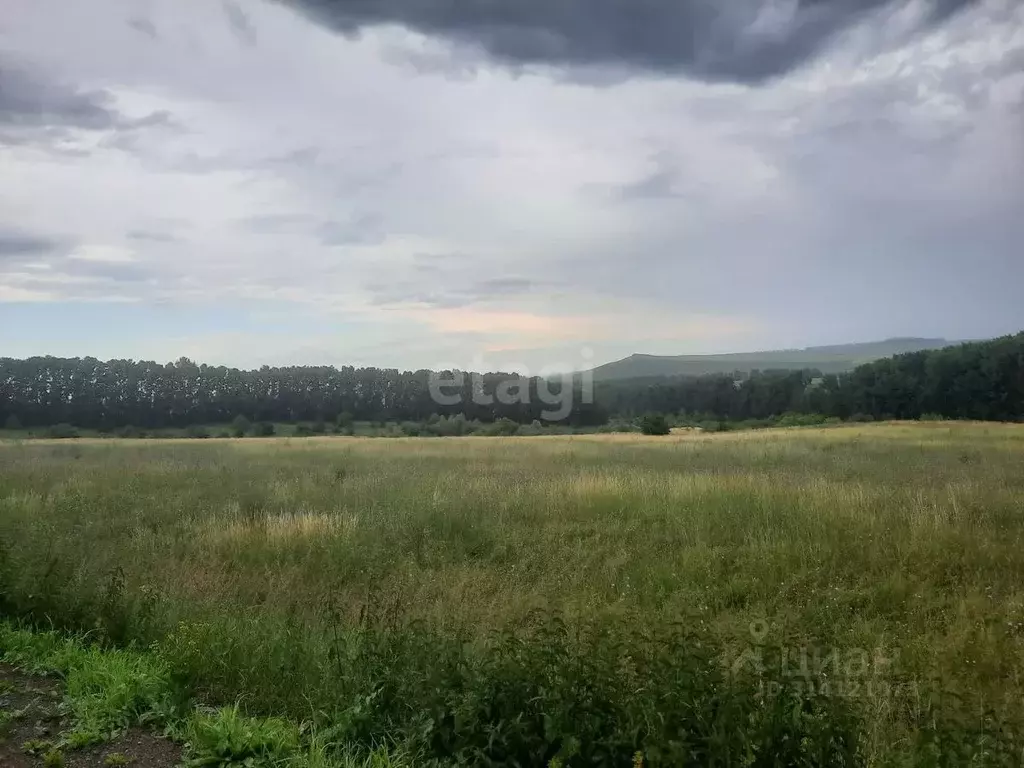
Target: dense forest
983,380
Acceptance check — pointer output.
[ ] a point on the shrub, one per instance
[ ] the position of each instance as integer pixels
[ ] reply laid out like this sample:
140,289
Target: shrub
654,424
240,426
196,431
505,427
61,432
263,429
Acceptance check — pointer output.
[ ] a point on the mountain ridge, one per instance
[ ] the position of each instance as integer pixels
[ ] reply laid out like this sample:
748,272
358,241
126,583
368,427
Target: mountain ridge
830,358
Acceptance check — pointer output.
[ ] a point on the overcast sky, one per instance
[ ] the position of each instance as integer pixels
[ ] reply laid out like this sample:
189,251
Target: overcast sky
418,183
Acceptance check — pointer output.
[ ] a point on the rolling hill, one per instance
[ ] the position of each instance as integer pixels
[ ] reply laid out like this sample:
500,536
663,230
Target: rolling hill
828,359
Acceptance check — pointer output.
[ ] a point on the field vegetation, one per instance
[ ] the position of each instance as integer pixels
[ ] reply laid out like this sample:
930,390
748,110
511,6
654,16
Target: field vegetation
851,595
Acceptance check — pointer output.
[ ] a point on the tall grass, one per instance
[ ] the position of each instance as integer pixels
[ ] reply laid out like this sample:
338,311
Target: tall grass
851,595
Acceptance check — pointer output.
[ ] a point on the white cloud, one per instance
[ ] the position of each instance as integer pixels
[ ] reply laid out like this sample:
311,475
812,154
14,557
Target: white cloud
103,254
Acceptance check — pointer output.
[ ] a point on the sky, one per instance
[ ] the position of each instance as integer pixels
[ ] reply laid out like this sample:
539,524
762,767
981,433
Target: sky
531,185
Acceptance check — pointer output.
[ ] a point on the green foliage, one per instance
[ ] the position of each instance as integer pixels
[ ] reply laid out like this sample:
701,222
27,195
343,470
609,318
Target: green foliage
12,423
227,738
263,429
196,431
36,747
107,690
654,424
116,760
61,432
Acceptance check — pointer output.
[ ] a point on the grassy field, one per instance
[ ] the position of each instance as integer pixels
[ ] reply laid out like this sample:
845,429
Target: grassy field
851,595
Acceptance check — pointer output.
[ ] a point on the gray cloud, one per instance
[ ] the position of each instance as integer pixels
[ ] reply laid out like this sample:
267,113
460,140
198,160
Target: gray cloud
28,100
38,109
151,236
240,23
362,229
352,182
659,184
144,26
747,41
19,244
447,281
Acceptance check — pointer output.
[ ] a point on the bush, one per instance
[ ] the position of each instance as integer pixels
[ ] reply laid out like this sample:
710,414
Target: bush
127,431
240,426
61,432
505,427
195,431
714,426
654,424
301,430
263,429
801,420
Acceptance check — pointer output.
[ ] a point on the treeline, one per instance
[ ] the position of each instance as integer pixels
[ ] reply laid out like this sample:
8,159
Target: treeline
982,380
93,394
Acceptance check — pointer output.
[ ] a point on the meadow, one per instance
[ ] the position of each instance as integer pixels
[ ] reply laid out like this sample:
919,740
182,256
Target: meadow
851,595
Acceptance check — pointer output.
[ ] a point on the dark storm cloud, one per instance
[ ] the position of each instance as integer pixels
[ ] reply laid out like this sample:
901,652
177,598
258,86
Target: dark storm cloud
18,244
742,40
27,100
36,109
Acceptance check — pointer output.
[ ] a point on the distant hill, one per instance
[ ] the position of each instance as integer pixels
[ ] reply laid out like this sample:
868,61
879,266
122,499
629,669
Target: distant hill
831,359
